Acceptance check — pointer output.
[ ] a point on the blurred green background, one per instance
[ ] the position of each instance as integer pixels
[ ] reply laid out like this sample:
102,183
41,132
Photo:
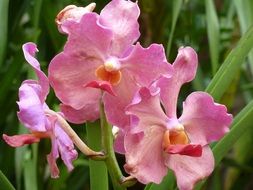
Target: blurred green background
212,28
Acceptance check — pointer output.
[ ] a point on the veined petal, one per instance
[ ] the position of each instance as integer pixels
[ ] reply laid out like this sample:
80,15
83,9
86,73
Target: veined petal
115,105
144,155
65,146
189,170
121,17
146,107
20,140
90,112
31,109
119,142
146,65
70,70
29,50
204,120
184,67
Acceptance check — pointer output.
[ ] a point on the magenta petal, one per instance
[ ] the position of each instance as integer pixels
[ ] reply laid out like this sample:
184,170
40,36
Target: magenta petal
29,50
31,109
189,170
144,155
146,65
204,120
189,150
20,140
121,17
103,85
90,112
185,67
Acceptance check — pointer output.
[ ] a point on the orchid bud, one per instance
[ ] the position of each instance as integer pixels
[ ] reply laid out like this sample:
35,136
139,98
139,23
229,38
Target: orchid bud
73,13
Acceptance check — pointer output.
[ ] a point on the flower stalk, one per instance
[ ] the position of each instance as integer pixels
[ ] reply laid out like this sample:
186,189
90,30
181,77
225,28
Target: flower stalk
107,144
75,138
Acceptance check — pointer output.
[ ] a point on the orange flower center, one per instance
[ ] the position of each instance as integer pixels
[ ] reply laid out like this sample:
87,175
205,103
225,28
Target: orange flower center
109,72
173,137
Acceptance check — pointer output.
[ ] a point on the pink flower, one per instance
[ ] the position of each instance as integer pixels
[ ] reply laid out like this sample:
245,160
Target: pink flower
100,54
32,108
158,141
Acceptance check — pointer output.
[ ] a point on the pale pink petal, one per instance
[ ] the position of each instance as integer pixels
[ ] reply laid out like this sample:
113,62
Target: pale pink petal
147,108
121,17
84,51
144,156
103,85
89,112
189,150
204,120
115,105
29,50
189,170
65,146
31,109
145,65
185,67
20,140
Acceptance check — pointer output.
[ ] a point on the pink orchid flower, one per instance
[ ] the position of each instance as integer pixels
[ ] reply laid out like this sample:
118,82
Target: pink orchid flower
100,54
32,108
159,141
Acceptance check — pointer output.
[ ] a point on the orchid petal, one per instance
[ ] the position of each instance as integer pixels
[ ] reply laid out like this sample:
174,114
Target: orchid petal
144,158
115,105
140,108
146,65
189,150
185,67
121,17
103,85
31,109
189,170
204,120
65,146
20,140
89,112
29,50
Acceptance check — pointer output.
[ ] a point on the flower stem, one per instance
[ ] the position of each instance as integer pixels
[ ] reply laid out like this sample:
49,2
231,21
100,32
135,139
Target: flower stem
98,170
75,138
107,143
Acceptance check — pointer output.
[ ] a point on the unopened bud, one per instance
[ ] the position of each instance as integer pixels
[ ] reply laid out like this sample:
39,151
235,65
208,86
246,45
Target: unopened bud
72,12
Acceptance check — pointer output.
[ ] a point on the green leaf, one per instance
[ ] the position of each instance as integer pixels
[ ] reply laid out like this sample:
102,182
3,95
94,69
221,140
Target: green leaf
213,32
175,13
245,16
4,182
98,170
4,7
231,66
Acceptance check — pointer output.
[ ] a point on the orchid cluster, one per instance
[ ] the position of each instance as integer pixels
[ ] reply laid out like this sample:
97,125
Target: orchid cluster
101,64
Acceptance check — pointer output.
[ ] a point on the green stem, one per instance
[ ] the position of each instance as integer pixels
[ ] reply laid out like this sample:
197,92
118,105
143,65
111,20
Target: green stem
98,171
107,143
